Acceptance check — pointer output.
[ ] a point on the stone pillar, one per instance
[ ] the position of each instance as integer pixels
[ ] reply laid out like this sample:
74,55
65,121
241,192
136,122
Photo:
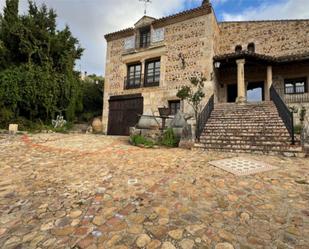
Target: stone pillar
241,86
269,82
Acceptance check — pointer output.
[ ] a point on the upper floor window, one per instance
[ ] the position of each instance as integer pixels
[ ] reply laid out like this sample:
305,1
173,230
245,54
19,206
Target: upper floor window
134,75
145,37
294,86
152,73
251,47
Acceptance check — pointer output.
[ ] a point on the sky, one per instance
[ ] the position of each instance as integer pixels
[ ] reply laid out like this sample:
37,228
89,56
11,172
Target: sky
90,20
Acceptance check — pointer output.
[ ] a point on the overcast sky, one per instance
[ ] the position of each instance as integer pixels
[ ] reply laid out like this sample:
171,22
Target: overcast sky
90,20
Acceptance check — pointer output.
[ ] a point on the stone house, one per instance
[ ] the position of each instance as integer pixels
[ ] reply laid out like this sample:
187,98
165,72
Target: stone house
241,61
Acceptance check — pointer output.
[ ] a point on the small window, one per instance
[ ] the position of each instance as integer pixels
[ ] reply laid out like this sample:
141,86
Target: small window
134,75
238,48
295,86
251,47
152,73
174,106
145,37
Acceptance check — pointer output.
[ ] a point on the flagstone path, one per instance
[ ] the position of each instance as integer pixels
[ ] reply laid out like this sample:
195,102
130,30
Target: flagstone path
87,191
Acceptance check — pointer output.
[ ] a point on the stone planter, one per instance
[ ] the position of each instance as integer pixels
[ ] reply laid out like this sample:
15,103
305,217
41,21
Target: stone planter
148,122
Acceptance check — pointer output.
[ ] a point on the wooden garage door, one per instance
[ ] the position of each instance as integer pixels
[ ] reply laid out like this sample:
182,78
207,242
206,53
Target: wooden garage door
123,113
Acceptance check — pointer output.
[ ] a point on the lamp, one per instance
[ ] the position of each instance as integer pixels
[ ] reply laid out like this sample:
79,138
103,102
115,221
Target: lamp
217,64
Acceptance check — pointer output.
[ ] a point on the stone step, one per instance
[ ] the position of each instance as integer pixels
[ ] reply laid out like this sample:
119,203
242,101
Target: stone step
243,135
249,137
249,127
241,122
245,128
249,148
289,151
246,117
244,142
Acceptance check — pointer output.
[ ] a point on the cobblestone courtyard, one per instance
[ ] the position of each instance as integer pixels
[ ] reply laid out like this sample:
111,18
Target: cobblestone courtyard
87,191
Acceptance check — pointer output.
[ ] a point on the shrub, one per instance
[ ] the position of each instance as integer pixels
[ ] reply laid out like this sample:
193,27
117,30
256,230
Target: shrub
169,139
141,140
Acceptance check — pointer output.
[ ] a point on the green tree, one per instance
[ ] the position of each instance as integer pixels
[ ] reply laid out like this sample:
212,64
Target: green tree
37,61
194,96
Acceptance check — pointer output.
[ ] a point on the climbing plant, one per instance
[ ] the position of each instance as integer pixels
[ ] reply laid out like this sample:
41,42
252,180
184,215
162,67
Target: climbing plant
37,61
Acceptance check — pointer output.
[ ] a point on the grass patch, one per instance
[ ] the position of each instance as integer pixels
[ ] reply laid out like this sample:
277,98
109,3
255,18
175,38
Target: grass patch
169,139
141,140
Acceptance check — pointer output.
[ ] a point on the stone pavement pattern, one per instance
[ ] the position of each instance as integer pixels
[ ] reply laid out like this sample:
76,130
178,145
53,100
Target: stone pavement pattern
87,191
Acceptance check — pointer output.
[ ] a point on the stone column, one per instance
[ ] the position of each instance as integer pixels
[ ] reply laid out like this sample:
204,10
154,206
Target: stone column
269,82
241,86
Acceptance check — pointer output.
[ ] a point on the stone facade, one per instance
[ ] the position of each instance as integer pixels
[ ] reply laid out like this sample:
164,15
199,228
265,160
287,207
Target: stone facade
277,38
191,40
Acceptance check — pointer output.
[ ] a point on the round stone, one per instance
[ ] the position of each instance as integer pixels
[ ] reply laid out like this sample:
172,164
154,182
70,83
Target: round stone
154,244
224,246
75,213
176,234
244,217
187,244
143,240
168,245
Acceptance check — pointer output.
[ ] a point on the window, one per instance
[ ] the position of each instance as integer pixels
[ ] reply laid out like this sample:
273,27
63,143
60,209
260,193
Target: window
134,75
238,48
174,106
295,86
251,47
152,72
145,37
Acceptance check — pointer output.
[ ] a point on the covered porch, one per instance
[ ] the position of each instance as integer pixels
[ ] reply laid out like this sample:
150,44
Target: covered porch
243,77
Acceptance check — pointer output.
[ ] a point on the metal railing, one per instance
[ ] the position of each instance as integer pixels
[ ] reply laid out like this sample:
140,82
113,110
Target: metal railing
137,82
292,97
132,82
204,116
284,112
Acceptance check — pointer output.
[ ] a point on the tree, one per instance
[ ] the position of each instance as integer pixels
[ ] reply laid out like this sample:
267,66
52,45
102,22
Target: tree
194,95
37,61
9,33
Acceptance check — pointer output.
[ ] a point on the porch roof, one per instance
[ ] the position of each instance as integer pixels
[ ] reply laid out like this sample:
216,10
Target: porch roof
251,56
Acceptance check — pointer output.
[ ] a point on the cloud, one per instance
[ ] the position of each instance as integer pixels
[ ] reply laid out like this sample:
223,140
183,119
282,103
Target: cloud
289,9
90,20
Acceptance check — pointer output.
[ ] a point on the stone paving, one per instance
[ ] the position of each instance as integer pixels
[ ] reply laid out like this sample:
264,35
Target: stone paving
87,191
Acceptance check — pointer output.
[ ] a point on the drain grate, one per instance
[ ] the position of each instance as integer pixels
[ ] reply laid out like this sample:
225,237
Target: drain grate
241,166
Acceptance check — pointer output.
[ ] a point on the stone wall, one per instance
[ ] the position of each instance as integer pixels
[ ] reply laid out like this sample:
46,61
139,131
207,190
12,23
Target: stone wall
193,38
275,38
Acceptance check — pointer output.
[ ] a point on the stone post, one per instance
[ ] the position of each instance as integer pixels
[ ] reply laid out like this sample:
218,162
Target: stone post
241,86
269,82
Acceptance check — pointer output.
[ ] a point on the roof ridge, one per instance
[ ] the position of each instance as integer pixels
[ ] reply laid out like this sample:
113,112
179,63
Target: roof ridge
273,20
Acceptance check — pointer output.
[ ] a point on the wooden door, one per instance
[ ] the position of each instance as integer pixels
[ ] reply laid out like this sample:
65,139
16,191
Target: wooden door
124,113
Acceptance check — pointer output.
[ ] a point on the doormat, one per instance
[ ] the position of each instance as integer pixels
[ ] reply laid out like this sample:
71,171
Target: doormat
242,166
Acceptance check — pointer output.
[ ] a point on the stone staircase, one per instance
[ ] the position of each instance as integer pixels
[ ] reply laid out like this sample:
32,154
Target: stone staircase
251,127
